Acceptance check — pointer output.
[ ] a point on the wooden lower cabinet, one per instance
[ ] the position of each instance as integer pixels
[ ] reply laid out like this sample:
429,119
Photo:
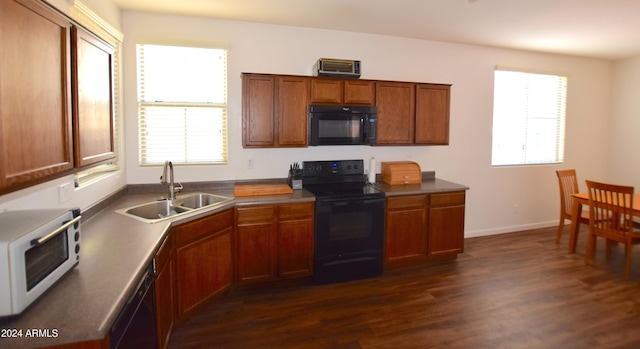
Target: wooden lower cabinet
165,300
405,229
446,223
256,231
422,227
274,241
203,262
295,240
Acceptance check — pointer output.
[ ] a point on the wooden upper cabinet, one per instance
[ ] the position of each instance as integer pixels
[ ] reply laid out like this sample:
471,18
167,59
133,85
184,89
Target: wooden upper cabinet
35,98
327,91
396,112
275,108
92,62
274,112
432,114
342,91
359,92
258,110
291,111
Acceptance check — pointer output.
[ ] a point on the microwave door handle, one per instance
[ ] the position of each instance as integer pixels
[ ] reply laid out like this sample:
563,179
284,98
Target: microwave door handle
46,238
364,132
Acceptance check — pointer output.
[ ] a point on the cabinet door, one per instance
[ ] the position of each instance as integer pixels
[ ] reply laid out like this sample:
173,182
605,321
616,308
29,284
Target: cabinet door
432,114
446,224
406,229
204,262
256,243
359,92
35,109
203,269
396,112
258,110
164,292
295,240
293,101
327,91
92,61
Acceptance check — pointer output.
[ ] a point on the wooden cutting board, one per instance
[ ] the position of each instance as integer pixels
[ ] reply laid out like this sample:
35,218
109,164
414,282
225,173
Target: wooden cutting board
261,189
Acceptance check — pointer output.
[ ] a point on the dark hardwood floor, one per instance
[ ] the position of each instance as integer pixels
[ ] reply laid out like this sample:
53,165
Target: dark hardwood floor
517,290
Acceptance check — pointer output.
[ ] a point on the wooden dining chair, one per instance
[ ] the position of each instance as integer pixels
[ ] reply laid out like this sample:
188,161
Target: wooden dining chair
611,210
568,182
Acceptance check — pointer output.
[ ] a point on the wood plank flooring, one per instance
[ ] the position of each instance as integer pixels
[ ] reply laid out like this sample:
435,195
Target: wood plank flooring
517,290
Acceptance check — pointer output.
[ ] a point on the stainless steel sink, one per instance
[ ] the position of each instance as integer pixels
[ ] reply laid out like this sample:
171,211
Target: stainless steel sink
156,211
199,200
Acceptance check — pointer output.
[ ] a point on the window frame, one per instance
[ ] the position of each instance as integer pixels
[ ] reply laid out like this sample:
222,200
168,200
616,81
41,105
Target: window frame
223,107
529,115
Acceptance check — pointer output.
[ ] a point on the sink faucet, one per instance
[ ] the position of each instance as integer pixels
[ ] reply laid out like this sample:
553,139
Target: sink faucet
173,189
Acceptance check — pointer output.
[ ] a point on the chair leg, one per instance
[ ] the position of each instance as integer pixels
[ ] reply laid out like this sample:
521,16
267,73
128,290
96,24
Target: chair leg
560,230
591,249
627,256
609,243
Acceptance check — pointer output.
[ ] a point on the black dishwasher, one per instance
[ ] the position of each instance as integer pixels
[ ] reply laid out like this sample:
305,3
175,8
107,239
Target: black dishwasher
135,327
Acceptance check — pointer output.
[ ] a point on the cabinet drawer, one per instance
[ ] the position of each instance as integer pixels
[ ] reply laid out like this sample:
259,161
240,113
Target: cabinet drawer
248,214
398,202
295,211
456,198
204,226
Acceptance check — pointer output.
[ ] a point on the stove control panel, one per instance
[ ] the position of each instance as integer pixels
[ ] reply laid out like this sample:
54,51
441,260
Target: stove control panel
332,168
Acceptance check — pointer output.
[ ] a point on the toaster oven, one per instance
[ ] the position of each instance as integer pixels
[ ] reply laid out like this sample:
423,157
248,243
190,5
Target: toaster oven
37,248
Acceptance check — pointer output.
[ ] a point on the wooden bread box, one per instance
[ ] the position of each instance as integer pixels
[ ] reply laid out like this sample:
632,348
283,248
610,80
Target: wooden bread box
401,172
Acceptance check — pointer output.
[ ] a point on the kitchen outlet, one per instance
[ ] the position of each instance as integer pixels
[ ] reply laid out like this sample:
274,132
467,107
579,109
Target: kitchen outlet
250,164
64,193
516,208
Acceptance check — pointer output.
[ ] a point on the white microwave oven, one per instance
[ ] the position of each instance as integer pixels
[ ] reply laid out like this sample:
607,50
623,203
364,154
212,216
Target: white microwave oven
37,248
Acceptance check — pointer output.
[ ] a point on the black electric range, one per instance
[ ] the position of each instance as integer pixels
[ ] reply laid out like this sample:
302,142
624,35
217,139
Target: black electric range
349,221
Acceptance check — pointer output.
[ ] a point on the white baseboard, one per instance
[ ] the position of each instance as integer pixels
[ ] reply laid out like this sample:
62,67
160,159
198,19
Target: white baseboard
510,229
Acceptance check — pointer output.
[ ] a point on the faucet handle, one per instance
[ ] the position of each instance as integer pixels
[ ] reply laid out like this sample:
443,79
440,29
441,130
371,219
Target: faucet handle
178,188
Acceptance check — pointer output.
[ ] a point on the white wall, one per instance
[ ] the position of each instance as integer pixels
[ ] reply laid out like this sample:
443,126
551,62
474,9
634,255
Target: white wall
499,199
624,163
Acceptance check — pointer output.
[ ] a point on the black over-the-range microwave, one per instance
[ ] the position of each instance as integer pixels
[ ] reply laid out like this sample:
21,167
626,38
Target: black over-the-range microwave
342,125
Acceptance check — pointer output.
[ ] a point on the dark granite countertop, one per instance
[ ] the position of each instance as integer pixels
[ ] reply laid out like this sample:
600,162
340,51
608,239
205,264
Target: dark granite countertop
115,251
429,185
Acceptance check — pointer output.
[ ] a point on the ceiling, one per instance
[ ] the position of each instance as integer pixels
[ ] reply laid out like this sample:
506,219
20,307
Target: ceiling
606,29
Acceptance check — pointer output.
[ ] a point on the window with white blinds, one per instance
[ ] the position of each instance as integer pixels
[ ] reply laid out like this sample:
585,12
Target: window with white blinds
528,118
182,104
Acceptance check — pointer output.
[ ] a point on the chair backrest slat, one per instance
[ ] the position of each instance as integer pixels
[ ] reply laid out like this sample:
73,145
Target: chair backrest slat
611,208
568,182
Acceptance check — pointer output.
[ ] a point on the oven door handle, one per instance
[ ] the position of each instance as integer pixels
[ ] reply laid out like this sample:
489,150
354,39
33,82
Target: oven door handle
47,237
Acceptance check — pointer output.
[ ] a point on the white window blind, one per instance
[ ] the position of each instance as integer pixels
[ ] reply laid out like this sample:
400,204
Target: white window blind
182,104
528,118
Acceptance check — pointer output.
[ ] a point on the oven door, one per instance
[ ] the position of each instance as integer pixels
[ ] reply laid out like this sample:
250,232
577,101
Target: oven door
40,259
338,129
348,226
